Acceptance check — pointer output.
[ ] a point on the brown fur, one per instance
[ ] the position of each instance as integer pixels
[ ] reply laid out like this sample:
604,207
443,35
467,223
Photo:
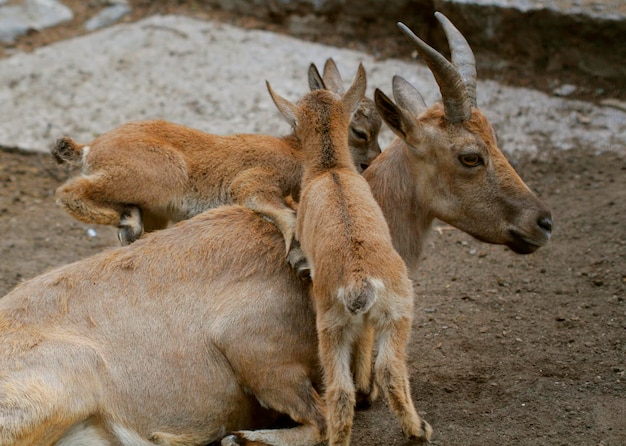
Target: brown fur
360,283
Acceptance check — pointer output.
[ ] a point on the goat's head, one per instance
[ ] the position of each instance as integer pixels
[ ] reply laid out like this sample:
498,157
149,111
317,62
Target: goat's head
366,121
321,106
454,157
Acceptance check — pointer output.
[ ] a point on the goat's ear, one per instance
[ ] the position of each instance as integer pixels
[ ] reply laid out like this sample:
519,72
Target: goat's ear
286,108
332,78
399,120
315,79
407,96
355,93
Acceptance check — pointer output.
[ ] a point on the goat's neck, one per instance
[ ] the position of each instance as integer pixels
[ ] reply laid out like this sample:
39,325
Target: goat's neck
293,141
326,149
395,186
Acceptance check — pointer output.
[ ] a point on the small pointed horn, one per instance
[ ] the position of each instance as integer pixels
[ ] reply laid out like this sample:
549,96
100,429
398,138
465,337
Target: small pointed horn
462,55
332,78
285,107
352,97
456,103
315,79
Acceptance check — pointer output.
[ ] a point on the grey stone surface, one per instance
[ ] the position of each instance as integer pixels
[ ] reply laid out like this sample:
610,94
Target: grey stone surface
587,37
17,19
582,36
108,15
212,77
602,9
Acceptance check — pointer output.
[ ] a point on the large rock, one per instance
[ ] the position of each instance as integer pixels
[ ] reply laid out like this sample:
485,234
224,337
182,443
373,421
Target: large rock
583,36
212,76
588,37
17,19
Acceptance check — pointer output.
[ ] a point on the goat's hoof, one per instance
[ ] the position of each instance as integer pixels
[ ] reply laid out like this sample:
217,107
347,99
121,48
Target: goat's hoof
424,434
299,262
365,399
131,225
126,235
231,440
63,150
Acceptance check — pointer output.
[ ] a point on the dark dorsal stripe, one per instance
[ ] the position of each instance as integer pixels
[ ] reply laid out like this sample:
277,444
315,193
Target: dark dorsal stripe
343,205
328,153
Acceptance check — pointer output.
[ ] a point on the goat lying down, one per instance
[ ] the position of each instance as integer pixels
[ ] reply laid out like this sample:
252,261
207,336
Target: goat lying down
144,174
202,329
177,339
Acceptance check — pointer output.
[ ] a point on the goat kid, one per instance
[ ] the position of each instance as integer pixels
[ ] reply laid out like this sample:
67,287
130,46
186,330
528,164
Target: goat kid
358,277
144,174
195,331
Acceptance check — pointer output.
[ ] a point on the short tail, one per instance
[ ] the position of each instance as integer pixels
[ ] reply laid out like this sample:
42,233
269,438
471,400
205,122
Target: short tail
66,150
360,297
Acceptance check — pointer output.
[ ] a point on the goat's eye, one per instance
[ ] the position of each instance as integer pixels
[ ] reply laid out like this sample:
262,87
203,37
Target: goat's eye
359,134
471,160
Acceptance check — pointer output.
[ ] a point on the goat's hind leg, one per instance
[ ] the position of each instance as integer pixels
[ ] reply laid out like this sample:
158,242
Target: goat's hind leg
336,344
80,198
392,376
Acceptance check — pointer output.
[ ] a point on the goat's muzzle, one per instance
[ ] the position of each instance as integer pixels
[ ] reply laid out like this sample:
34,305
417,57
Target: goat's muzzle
529,241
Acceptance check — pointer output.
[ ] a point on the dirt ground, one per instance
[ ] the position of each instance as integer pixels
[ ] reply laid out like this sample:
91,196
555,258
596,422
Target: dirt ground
505,350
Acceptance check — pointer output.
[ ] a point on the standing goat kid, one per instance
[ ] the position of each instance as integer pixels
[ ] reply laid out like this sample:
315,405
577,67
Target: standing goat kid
144,174
358,277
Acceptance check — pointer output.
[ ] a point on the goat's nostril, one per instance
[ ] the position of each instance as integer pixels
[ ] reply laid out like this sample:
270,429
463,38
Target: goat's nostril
364,166
545,223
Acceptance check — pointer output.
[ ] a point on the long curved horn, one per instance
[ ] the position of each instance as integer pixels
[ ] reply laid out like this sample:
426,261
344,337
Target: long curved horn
456,103
462,55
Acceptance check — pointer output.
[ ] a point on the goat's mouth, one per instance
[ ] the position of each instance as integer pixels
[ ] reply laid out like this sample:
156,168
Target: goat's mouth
521,244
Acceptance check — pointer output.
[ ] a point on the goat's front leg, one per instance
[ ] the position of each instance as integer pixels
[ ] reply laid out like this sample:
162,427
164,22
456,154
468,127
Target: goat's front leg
305,435
336,343
259,189
391,374
295,396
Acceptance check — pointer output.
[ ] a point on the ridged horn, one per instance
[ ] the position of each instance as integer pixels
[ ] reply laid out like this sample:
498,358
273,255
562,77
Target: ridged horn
462,55
456,102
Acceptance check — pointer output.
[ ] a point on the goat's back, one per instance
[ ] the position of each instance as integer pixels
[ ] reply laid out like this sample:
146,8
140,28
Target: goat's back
159,137
174,326
344,234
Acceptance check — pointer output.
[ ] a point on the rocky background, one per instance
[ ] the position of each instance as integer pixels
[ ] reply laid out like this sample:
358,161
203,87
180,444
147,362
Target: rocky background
506,349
